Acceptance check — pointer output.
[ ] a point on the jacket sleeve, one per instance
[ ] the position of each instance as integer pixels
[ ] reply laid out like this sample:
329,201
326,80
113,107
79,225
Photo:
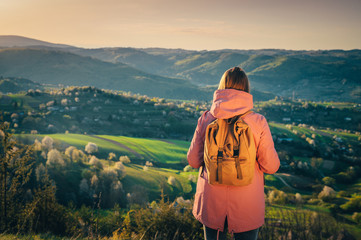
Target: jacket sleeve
196,149
267,156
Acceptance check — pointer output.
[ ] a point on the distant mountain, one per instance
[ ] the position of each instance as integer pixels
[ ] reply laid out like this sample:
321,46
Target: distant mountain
315,75
18,41
332,75
57,67
14,85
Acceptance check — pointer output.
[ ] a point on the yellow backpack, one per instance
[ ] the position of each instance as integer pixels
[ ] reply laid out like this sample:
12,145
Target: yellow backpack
229,152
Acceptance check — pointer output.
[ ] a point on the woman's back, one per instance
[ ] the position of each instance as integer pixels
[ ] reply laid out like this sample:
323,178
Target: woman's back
243,206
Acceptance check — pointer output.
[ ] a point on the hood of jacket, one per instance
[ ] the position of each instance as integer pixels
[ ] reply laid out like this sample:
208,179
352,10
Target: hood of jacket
228,103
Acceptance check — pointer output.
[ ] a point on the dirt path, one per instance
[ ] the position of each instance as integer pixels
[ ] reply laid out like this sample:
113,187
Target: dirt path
120,145
284,182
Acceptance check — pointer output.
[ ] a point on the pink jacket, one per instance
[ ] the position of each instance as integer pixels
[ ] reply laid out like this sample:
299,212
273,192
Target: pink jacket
244,207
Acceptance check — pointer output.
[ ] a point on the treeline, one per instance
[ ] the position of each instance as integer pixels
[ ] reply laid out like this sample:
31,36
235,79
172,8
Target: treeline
94,111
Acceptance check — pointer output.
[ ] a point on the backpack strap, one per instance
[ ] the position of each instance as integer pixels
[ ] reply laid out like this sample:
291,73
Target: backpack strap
236,150
246,113
221,138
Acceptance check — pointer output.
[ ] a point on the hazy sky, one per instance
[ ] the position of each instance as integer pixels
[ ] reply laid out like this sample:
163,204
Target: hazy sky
189,24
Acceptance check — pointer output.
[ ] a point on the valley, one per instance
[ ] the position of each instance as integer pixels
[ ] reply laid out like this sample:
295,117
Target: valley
109,130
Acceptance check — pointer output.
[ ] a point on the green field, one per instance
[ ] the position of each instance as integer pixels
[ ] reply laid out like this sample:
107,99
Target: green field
153,179
168,152
155,150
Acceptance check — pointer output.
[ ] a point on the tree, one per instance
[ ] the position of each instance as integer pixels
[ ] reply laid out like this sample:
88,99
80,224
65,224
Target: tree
95,162
91,148
329,181
298,199
327,194
78,155
37,145
111,156
40,172
119,167
124,159
55,158
69,152
44,213
47,143
15,171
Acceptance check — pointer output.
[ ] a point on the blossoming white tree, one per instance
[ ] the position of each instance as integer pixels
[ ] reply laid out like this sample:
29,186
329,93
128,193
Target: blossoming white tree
91,148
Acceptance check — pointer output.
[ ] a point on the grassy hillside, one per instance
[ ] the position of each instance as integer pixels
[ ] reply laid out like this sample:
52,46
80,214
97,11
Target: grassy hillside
95,111
152,163
170,153
14,85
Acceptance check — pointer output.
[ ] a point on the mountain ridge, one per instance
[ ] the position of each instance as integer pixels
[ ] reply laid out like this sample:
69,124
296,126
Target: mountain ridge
317,75
20,41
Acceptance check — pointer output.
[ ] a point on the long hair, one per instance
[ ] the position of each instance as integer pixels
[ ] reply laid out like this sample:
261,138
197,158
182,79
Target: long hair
235,78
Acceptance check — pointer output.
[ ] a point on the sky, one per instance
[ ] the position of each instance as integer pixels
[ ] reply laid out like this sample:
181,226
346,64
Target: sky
187,24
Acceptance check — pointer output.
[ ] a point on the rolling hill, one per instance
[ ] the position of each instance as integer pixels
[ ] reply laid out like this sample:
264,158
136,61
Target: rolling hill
14,85
58,67
313,75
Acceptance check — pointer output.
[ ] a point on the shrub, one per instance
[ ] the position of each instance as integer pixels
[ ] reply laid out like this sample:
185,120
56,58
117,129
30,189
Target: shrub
277,196
171,180
354,204
148,164
162,221
356,216
298,224
298,199
187,168
124,159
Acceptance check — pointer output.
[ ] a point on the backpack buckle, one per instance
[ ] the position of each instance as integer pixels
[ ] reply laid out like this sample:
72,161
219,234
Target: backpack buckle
235,153
220,154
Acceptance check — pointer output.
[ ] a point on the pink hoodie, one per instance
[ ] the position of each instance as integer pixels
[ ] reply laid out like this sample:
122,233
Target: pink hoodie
244,207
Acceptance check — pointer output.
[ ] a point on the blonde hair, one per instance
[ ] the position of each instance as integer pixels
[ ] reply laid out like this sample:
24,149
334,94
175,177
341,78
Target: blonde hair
234,78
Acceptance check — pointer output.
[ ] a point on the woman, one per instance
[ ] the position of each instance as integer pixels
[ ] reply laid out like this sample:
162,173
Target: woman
240,209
